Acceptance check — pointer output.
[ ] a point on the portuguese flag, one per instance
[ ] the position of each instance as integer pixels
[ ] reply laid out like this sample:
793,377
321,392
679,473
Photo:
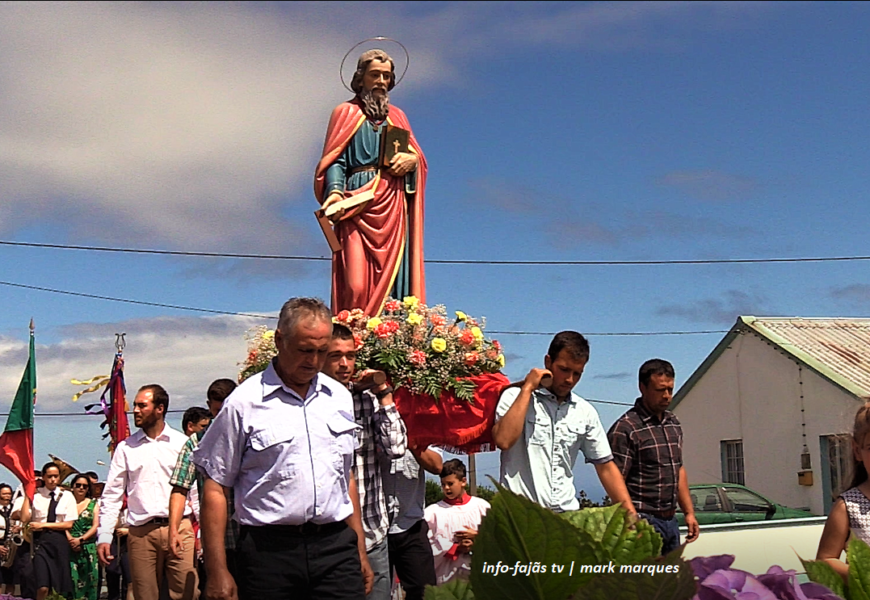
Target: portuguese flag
16,443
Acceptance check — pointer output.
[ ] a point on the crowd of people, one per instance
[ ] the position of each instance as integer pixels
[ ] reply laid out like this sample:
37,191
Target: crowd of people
302,482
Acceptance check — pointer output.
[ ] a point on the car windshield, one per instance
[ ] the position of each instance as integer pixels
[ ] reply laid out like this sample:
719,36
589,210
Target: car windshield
746,501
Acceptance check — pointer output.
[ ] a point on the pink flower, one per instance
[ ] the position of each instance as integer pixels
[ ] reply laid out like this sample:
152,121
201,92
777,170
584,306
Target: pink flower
357,340
417,357
496,345
383,330
467,338
437,320
343,316
392,306
471,358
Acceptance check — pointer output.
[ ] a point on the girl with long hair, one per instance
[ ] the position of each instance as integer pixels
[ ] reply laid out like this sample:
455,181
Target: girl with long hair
850,514
82,538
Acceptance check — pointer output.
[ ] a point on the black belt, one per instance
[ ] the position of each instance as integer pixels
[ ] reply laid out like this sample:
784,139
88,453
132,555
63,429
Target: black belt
660,514
308,528
159,521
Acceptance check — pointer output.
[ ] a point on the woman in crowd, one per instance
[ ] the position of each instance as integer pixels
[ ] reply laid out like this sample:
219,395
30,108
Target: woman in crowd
50,515
82,540
6,581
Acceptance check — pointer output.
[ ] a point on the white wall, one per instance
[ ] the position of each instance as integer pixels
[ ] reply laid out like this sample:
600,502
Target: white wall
752,392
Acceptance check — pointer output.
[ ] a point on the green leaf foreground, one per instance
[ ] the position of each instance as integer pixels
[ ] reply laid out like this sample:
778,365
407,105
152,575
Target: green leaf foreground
858,554
858,585
823,573
609,526
518,533
658,586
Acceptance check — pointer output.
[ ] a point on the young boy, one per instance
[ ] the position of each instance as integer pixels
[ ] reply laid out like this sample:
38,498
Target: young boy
453,524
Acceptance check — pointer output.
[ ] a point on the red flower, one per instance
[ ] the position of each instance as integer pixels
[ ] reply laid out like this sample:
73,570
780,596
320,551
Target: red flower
383,330
437,320
492,354
343,316
392,306
467,338
471,358
357,340
392,326
418,357
496,345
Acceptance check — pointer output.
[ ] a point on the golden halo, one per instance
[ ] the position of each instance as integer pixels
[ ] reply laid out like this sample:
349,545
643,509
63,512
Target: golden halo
379,38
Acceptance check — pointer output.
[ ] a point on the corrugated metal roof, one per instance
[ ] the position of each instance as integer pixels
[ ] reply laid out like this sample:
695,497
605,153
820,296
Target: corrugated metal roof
838,349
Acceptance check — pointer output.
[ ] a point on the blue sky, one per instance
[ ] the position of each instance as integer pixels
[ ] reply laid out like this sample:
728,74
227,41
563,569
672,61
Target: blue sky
553,131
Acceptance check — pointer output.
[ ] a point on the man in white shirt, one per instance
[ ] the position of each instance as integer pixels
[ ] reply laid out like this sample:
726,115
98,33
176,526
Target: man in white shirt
141,466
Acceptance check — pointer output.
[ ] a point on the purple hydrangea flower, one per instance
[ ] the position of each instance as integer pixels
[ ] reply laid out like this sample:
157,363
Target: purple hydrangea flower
717,581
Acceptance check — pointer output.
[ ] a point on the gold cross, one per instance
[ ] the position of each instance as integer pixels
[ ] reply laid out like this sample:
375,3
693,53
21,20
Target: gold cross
396,144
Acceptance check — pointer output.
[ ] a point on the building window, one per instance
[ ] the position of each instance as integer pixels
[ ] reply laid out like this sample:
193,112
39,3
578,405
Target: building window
839,462
732,461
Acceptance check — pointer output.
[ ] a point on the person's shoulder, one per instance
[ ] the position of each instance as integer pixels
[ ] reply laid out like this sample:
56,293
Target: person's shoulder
510,393
480,503
348,108
335,389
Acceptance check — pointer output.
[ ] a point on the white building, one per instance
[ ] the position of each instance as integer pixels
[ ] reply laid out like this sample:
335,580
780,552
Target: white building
772,408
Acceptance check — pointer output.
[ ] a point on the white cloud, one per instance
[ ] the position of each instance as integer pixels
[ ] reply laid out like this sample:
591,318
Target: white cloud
183,354
194,125
187,125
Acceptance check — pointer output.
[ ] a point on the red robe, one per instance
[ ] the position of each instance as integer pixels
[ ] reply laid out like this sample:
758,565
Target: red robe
373,237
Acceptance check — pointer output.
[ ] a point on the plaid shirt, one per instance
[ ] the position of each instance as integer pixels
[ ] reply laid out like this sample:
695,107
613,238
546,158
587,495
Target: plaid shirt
383,432
185,474
649,453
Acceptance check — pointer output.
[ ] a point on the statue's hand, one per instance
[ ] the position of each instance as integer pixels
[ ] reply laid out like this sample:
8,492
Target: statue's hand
330,200
402,163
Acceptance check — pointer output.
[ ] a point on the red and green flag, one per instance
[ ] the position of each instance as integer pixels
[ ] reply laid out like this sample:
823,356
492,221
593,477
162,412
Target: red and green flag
16,443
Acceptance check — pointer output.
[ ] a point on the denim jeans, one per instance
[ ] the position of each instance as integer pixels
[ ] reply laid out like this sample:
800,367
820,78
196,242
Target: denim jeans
667,528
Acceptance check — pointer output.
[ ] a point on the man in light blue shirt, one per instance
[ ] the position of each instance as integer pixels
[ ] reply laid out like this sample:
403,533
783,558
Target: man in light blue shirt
284,442
541,426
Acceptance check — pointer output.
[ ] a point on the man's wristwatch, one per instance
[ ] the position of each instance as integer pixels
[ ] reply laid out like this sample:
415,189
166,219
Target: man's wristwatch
383,392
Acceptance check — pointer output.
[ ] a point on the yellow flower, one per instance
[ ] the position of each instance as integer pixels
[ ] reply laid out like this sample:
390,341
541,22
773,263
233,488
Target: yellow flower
477,333
439,344
373,322
415,319
501,360
461,316
268,335
411,302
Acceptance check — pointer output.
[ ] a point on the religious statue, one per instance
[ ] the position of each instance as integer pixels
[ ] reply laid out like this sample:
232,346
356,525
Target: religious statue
370,182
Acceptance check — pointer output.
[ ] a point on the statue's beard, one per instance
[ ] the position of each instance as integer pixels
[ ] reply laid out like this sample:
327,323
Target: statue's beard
375,107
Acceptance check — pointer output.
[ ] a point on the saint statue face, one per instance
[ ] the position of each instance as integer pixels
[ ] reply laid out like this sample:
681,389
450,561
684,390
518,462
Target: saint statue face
377,77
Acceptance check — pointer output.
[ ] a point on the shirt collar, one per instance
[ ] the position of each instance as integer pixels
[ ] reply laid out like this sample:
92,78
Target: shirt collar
647,416
272,383
141,437
546,394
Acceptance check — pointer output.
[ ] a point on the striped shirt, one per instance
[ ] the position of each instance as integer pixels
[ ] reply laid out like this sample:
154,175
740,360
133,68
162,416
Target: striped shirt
382,433
649,453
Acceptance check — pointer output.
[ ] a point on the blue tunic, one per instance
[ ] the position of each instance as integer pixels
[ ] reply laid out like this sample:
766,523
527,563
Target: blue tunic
363,150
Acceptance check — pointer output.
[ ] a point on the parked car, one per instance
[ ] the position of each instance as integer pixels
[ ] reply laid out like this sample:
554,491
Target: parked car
732,503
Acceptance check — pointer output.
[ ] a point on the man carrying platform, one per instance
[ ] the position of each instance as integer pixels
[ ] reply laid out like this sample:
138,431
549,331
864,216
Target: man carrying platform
541,428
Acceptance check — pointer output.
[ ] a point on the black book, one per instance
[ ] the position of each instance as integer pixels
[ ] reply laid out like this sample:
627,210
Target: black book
393,141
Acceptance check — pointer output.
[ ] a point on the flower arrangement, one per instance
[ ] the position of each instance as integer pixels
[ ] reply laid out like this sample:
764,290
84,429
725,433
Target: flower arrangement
261,350
421,350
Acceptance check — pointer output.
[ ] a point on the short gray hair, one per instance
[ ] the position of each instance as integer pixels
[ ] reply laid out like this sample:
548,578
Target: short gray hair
296,309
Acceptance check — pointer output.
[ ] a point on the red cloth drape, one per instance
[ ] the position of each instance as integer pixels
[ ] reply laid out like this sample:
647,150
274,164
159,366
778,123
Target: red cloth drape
456,425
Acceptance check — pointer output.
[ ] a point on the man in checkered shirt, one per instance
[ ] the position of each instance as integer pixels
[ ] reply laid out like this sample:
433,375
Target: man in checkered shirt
383,432
647,445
